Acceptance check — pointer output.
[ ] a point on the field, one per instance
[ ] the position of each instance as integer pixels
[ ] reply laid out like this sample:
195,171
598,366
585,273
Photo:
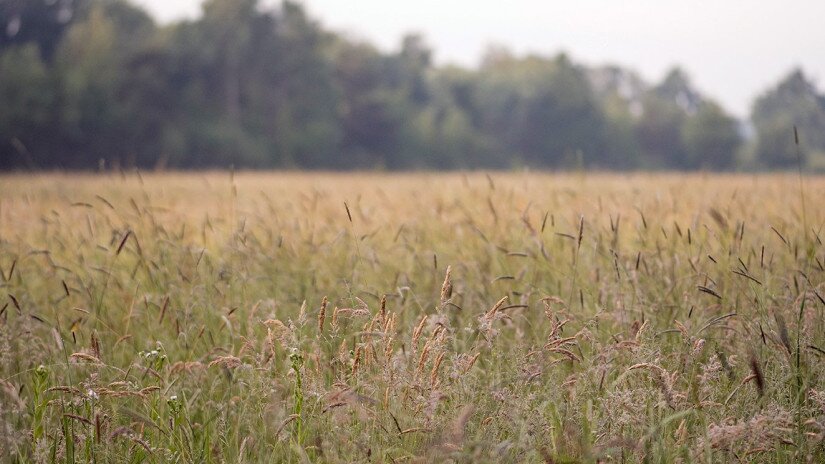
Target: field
344,318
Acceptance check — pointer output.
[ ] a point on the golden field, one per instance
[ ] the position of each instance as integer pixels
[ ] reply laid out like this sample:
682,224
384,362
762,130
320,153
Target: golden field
502,317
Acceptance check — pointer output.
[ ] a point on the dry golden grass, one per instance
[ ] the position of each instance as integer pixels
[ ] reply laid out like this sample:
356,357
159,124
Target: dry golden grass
411,318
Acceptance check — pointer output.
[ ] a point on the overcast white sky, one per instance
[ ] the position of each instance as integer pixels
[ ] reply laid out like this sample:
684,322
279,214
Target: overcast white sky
733,49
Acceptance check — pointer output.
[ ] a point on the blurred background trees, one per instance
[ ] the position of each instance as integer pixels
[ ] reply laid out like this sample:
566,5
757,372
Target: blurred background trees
90,83
793,102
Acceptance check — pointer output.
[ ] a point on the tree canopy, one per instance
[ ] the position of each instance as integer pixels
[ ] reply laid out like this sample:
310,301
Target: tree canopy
89,83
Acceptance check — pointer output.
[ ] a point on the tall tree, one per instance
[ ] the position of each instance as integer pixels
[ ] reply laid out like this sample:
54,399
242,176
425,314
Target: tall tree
39,22
711,138
795,101
370,110
666,108
89,70
27,94
542,109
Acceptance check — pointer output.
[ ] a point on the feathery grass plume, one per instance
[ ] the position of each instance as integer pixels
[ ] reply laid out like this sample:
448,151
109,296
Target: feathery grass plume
389,335
434,371
388,347
16,303
185,366
302,313
698,345
285,422
226,361
548,302
818,398
356,362
581,233
423,358
335,318
663,379
344,353
95,345
641,331
322,313
163,309
349,215
452,438
471,362
492,312
446,288
389,325
123,242
279,331
417,332
783,331
383,310
11,271
756,371
85,357
760,433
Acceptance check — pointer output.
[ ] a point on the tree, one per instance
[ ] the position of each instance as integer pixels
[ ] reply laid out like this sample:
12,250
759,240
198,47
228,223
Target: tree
794,102
385,109
370,111
542,110
309,134
666,108
677,89
619,93
710,138
150,96
27,96
89,69
261,87
40,22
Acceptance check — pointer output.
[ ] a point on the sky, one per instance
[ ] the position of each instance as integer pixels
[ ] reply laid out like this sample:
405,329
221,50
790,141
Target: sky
733,49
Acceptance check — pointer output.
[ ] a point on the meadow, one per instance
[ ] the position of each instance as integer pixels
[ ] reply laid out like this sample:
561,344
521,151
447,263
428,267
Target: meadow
502,317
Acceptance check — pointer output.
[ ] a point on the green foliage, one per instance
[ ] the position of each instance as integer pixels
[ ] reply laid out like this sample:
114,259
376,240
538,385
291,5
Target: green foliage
795,102
27,97
96,83
542,110
665,109
40,23
711,138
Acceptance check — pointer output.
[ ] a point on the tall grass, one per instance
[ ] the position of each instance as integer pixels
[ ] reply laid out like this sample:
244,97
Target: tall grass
411,318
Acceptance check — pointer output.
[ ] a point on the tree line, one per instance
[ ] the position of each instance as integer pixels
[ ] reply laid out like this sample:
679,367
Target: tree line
98,83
